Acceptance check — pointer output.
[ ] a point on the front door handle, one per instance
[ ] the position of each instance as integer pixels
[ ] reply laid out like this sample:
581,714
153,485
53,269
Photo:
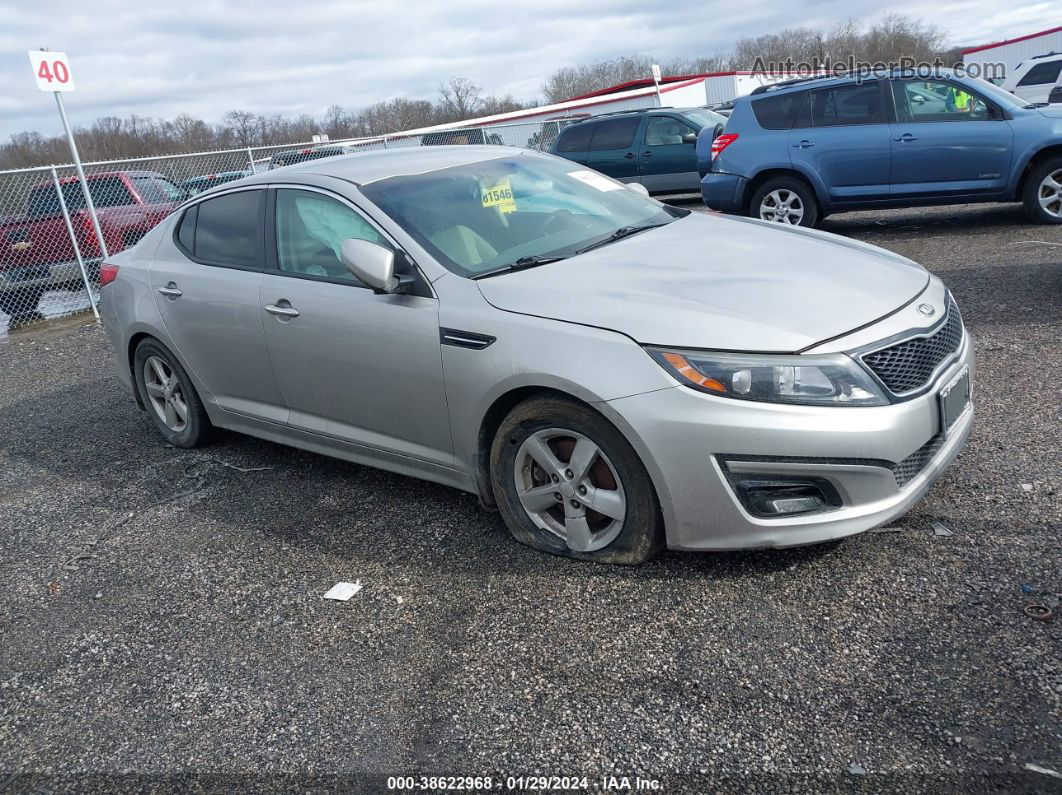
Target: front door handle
170,291
905,138
282,311
803,144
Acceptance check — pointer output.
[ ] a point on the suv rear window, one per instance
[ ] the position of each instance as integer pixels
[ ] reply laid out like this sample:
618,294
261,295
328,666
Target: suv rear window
778,112
575,139
614,134
1042,74
857,103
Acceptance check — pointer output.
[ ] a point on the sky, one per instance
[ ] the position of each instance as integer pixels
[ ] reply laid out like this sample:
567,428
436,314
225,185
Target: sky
205,57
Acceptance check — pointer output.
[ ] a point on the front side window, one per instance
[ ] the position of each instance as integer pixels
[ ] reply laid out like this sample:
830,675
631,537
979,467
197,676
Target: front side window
614,134
857,103
665,131
937,100
482,216
227,229
311,228
1042,74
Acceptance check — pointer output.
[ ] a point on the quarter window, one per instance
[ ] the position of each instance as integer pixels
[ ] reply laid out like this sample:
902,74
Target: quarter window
858,103
1042,74
226,229
614,134
311,228
576,139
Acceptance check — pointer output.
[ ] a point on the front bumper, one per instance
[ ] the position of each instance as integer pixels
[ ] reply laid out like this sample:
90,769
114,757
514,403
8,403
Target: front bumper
688,440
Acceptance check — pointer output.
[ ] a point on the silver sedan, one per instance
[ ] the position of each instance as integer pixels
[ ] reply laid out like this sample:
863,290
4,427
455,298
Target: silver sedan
612,374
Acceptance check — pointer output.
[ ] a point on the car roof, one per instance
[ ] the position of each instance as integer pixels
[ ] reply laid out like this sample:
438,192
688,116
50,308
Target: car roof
827,81
632,111
371,166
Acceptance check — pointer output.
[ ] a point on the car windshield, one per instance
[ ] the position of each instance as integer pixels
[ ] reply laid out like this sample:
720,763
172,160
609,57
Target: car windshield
483,216
995,92
704,118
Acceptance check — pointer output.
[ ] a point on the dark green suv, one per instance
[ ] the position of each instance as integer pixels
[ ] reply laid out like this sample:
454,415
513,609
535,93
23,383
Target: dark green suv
656,147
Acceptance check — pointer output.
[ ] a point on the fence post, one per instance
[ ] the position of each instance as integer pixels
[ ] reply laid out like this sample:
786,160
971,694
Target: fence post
250,160
385,140
73,241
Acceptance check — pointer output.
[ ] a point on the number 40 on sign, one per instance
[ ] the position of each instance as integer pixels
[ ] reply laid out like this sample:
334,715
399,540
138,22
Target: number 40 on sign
52,70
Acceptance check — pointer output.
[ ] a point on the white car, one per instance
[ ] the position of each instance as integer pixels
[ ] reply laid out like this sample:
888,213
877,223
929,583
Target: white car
1038,79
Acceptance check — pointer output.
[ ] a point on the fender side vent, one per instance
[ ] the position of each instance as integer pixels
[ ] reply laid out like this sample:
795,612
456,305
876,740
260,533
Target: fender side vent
465,339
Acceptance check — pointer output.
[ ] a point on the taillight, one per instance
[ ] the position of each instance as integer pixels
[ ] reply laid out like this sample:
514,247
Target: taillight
721,142
108,273
90,246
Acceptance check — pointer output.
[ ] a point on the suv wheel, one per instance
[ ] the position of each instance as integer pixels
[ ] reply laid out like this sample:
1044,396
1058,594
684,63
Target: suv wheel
169,397
568,483
1042,194
785,200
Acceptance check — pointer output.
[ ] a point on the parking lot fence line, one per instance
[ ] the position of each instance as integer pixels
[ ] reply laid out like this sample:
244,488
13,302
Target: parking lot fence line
74,243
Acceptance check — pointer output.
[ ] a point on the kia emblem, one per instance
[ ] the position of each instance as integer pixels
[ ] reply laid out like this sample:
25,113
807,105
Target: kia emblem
927,310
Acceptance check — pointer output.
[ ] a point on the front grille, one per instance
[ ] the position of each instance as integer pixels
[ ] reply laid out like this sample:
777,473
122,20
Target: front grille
916,461
909,365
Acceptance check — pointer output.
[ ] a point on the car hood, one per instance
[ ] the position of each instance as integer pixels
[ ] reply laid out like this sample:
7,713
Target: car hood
724,283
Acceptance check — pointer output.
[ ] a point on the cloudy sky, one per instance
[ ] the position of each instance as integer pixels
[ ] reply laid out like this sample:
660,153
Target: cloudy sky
204,57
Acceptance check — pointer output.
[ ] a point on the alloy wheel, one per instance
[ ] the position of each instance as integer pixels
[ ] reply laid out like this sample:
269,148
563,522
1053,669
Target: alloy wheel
783,206
569,488
1050,194
165,394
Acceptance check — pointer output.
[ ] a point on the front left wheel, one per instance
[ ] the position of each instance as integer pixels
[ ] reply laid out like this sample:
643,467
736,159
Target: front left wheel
1042,194
567,482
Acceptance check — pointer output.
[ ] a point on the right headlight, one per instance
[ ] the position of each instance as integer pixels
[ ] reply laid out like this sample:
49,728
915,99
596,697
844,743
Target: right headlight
827,380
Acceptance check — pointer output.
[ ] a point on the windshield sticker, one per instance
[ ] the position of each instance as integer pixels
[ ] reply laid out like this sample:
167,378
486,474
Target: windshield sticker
499,195
595,180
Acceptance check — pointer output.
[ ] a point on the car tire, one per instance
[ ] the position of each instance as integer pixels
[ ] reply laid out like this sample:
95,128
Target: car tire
165,390
1036,184
556,429
793,201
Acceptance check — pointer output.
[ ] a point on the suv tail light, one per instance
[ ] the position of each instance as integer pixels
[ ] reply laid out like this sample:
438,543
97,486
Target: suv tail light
90,246
108,273
721,142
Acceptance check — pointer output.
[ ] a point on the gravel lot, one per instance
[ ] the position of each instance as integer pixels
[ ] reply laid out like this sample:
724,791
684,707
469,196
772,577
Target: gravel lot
162,623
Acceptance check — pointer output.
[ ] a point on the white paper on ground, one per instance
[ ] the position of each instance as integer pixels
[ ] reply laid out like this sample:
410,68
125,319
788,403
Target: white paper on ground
342,591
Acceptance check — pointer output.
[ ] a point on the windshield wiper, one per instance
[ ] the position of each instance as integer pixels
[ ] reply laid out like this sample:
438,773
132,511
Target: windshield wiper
619,234
523,263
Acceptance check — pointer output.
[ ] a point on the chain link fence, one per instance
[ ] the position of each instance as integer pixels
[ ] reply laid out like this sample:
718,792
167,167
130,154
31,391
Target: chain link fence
51,249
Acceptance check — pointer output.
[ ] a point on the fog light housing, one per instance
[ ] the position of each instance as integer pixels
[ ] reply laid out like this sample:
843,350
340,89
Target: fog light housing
781,497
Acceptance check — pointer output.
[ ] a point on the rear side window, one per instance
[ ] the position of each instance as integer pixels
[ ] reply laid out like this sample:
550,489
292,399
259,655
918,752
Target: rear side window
1042,74
575,139
778,112
227,229
186,231
614,134
850,104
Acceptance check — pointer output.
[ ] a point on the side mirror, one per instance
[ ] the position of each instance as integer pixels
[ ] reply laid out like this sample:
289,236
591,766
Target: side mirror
689,138
373,265
637,187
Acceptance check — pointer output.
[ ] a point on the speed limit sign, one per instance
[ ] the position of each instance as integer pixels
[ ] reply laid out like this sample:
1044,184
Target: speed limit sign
52,70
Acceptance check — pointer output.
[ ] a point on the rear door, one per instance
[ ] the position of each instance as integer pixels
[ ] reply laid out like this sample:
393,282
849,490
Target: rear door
947,140
842,134
205,280
613,147
668,163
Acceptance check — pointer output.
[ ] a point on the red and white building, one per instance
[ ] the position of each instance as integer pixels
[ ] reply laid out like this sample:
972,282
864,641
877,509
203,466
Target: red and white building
1012,52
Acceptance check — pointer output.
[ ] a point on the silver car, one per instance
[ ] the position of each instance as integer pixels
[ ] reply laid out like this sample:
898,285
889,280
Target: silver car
612,374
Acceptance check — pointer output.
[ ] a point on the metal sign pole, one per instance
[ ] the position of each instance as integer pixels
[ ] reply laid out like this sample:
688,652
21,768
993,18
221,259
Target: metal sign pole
73,240
81,175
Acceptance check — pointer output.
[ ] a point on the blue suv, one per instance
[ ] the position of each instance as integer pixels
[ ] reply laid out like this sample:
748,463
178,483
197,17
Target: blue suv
795,151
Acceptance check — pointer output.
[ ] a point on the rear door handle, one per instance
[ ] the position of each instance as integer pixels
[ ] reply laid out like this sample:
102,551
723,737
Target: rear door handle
282,311
905,138
803,144
171,291
630,155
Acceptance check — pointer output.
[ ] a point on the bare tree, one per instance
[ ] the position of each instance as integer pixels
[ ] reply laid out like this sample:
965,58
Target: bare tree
244,126
459,99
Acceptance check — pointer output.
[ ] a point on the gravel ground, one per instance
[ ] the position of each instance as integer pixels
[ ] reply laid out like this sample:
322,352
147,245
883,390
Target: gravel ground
163,629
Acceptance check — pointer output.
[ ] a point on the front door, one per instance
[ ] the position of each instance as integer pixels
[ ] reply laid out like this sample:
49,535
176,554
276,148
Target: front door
205,283
351,364
668,163
613,148
947,141
842,135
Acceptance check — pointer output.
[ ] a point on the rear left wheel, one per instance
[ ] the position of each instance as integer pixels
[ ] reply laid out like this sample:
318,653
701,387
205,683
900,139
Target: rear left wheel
567,482
785,200
169,397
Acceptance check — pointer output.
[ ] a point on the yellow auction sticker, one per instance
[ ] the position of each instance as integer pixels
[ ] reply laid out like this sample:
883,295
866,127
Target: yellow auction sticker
499,195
